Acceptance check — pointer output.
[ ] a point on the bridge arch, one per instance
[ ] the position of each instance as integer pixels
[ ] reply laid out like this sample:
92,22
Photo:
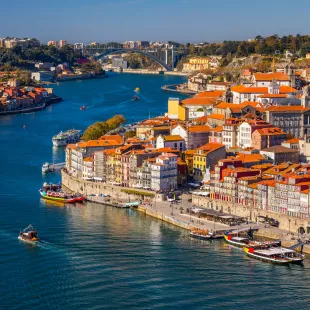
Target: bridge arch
122,50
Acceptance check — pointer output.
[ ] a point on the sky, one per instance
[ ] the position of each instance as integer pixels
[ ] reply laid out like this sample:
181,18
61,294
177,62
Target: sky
176,20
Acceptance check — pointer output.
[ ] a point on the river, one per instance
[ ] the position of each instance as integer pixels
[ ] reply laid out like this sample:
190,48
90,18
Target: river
96,257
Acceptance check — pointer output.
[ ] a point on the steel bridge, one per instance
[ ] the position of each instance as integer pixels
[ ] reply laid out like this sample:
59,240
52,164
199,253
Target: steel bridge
154,54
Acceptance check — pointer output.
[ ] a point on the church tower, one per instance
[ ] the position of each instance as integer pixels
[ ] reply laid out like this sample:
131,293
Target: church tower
291,72
228,95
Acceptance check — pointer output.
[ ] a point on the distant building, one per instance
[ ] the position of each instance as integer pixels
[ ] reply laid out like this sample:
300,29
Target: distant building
118,62
43,65
62,43
52,43
43,76
279,154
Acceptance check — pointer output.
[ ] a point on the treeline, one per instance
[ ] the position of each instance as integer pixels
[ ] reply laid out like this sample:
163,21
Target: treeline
98,129
23,58
298,45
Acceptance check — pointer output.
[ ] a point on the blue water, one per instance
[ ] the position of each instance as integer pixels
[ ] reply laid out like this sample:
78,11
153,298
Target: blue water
96,257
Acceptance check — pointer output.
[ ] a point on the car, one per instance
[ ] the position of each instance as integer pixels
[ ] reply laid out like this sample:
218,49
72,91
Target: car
171,199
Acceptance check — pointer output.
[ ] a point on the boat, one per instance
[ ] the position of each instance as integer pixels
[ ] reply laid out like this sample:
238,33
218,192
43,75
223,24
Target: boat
242,242
83,107
69,136
202,234
277,255
45,167
137,89
54,192
236,241
29,235
135,98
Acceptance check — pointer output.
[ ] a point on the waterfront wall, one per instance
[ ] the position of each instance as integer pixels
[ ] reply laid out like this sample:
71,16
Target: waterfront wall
96,188
164,218
287,223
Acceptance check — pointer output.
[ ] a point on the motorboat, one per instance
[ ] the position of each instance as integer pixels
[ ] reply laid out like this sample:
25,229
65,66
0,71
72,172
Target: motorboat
83,107
276,255
29,235
137,89
135,98
45,167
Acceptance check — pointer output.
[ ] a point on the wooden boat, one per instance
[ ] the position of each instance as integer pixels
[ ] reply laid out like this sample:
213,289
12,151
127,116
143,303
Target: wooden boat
236,241
29,235
246,242
61,197
54,192
279,255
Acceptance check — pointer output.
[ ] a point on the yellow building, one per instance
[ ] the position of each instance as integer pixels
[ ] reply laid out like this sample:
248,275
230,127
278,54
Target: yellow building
206,157
188,158
196,64
308,55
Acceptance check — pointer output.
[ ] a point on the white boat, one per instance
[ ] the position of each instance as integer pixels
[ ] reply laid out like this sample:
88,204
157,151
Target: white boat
45,167
64,138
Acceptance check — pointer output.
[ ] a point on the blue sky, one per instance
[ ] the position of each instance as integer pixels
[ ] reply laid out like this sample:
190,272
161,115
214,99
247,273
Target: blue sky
177,20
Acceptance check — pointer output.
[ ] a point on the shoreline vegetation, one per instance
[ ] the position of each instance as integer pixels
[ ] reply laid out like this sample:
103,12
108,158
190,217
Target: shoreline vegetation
98,129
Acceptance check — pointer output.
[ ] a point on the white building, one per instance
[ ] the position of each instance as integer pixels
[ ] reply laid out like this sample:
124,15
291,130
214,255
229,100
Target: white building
173,141
245,135
164,172
42,76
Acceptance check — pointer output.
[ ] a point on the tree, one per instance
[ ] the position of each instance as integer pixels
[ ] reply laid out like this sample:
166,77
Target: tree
130,134
99,129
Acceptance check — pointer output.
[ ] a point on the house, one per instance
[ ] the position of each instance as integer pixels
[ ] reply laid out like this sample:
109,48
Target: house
215,134
267,137
281,154
291,143
173,141
264,79
206,157
164,173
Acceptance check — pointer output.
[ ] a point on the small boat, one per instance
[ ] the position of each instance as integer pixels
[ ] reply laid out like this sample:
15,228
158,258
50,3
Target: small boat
202,234
83,107
135,98
54,192
45,167
137,89
277,255
29,234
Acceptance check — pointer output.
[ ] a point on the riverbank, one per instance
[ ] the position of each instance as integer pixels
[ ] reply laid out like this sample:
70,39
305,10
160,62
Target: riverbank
174,88
38,107
142,71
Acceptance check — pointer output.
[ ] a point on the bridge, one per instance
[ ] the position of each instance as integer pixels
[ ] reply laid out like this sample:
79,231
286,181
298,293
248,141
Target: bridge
159,55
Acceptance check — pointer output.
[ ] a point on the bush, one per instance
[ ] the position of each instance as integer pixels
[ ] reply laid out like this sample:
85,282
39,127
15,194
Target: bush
137,192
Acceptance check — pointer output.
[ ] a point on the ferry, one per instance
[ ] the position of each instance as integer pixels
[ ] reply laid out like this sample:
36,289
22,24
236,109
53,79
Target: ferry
54,192
278,255
29,235
64,138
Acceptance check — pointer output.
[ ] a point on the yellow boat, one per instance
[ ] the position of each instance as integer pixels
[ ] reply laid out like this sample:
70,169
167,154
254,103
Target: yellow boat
137,89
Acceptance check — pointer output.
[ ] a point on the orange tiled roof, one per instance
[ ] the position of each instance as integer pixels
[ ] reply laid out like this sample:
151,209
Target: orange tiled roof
217,116
173,138
94,143
248,158
210,94
271,76
198,101
294,140
199,128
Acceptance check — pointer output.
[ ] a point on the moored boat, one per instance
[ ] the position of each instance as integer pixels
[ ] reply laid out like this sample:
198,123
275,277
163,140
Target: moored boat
277,255
54,192
45,167
29,235
236,241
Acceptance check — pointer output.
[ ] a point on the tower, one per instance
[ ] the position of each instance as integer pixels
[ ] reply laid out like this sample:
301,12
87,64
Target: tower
228,95
291,72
